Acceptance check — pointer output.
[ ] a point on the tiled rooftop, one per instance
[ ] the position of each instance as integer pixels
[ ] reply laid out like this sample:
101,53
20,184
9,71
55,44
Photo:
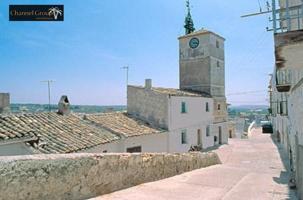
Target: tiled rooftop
122,123
57,133
176,92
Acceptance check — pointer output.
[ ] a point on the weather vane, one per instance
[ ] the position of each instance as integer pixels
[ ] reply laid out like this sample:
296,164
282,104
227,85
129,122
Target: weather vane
189,24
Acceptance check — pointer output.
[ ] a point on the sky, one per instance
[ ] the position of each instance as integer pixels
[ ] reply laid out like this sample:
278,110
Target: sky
84,54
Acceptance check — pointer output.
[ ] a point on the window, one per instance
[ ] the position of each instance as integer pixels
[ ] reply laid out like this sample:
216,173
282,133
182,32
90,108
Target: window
217,44
199,137
137,149
183,107
283,108
207,131
218,64
219,106
207,107
183,137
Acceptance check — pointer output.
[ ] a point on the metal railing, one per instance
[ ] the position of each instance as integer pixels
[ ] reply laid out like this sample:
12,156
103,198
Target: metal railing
286,17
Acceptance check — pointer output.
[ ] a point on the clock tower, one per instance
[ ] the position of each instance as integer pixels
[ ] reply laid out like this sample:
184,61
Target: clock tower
201,60
202,66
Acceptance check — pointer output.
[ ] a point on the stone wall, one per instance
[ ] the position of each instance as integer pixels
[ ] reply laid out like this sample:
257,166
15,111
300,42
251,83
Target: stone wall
81,176
148,105
4,102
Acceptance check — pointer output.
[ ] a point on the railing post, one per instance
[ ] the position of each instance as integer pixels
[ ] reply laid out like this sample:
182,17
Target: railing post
288,16
274,16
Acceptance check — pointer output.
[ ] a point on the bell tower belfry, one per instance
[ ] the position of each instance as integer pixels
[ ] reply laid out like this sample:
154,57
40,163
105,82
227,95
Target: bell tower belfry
201,60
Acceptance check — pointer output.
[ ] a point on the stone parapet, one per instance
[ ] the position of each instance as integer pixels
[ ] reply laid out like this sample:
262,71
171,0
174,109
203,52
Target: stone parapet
82,176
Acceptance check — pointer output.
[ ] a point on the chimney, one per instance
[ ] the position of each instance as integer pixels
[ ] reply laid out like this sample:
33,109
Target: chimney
4,103
64,106
148,84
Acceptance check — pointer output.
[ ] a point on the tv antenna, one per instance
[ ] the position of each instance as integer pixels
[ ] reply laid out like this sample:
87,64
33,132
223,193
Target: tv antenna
49,82
127,69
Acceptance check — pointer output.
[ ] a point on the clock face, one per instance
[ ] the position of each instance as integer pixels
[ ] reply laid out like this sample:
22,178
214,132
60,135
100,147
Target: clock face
194,43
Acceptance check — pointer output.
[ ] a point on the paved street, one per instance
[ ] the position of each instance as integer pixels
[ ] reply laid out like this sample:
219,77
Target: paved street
251,169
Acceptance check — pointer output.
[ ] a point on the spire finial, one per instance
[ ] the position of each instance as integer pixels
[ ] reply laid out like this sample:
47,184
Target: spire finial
189,24
187,5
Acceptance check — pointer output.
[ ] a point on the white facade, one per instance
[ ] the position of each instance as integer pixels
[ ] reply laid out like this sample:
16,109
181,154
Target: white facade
151,143
196,125
195,122
286,91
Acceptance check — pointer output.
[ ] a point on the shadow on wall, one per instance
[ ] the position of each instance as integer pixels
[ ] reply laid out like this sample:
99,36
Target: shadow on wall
284,175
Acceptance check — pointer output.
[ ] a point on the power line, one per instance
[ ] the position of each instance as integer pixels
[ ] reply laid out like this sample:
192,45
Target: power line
246,92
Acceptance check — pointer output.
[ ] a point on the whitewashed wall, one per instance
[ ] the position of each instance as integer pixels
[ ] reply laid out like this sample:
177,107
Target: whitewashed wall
175,141
113,147
196,112
194,119
152,143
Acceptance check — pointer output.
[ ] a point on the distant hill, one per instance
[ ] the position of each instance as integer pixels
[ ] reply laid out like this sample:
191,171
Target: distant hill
250,107
33,108
248,110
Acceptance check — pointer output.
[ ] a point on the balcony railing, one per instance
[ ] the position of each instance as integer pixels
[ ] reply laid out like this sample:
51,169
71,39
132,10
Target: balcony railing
286,17
283,80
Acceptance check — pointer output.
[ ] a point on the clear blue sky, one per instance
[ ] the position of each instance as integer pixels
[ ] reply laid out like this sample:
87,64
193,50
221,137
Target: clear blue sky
85,53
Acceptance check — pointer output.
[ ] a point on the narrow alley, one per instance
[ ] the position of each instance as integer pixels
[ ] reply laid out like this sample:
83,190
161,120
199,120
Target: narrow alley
252,169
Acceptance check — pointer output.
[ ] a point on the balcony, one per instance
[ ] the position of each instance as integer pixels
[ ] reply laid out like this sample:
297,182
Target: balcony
283,80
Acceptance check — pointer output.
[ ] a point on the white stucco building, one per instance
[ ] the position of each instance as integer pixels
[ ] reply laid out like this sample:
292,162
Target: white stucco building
196,113
286,85
188,117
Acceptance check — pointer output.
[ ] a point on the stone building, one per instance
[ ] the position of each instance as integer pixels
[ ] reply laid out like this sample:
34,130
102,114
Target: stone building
286,87
4,103
188,117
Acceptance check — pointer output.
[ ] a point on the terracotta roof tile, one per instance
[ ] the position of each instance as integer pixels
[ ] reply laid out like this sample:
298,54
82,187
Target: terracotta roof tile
57,133
122,123
176,92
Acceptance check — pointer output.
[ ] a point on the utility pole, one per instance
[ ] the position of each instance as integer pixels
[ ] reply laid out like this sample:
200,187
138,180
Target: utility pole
126,68
49,92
